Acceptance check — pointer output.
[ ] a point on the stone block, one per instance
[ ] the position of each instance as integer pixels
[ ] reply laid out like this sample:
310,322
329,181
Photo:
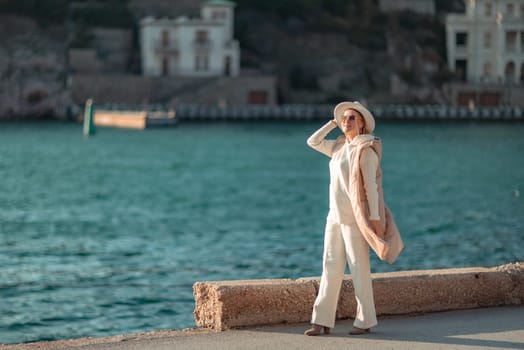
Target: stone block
228,304
439,290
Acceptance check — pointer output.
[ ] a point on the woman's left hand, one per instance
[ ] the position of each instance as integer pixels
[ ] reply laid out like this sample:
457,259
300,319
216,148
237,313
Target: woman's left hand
375,225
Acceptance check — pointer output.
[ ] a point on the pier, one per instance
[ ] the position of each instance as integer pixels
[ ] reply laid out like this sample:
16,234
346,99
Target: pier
300,112
132,119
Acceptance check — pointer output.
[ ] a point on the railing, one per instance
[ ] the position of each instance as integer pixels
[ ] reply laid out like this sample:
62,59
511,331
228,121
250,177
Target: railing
204,45
231,44
325,112
161,47
461,51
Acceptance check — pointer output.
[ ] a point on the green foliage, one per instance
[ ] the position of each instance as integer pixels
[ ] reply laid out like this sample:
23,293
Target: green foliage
335,97
284,9
83,36
48,11
408,75
352,10
427,31
335,7
371,37
447,6
301,79
360,18
108,13
443,76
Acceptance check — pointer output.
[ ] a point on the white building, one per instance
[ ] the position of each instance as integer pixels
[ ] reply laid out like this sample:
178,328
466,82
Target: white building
202,47
486,45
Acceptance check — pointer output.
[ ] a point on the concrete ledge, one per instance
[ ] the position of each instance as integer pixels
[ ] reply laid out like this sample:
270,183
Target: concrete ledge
227,304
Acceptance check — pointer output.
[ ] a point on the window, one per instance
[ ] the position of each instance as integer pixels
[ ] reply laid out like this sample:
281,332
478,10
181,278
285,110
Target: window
201,62
487,68
509,72
511,41
165,66
201,36
461,39
487,40
227,66
489,99
522,11
488,9
465,98
510,10
258,97
197,62
487,72
165,38
522,41
461,69
219,15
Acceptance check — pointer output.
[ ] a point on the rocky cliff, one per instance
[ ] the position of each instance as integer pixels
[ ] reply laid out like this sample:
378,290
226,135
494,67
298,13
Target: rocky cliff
322,56
32,70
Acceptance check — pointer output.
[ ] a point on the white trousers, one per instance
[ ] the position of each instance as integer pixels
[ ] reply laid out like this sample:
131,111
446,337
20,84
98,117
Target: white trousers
344,243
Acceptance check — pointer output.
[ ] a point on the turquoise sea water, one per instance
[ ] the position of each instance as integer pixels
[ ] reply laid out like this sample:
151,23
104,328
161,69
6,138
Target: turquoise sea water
107,235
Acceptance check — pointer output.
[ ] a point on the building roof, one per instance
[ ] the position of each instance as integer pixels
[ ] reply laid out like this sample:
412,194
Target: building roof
179,21
220,2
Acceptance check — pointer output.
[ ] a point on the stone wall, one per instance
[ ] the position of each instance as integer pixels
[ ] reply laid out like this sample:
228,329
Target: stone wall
137,90
228,304
129,89
84,61
227,91
476,94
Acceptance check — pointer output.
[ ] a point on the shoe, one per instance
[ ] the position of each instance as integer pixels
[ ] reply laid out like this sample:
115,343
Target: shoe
359,331
317,330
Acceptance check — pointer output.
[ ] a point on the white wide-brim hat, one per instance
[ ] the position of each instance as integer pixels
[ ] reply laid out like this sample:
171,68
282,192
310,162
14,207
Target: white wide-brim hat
368,117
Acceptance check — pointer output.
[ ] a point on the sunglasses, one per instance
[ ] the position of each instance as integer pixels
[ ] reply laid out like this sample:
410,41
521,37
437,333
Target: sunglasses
351,117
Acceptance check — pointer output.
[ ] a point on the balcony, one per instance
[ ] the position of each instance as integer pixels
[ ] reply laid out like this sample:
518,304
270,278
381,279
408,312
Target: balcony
202,45
461,51
166,48
231,45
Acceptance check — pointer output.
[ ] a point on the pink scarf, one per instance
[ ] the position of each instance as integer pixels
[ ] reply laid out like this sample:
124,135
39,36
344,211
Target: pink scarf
387,244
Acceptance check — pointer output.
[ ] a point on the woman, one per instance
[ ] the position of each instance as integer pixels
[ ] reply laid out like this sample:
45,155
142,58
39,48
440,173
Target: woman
357,219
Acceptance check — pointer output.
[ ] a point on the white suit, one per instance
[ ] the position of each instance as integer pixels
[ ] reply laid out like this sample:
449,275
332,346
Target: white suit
343,239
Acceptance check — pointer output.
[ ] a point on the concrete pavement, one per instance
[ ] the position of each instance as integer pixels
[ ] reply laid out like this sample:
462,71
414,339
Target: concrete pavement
488,328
